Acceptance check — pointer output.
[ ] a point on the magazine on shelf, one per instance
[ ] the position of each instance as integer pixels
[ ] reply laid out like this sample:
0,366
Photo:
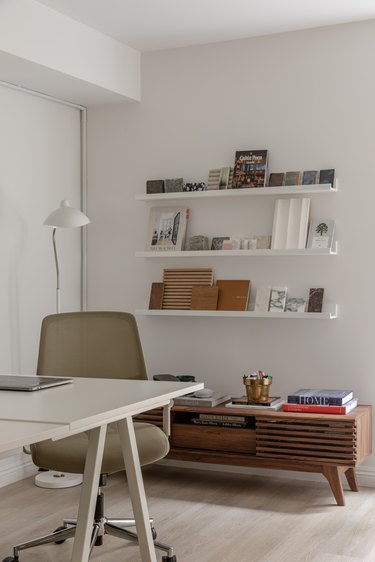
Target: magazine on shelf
321,233
233,294
236,403
295,304
317,409
167,228
276,179
321,397
250,168
292,178
315,302
310,177
327,176
278,299
214,400
244,401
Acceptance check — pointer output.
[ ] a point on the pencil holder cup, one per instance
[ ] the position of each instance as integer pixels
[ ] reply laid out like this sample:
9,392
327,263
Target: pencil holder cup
257,390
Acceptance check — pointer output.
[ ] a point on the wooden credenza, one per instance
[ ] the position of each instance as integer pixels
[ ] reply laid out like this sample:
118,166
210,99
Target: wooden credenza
332,445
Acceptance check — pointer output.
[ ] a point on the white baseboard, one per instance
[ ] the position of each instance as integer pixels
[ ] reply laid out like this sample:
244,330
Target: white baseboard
15,467
365,474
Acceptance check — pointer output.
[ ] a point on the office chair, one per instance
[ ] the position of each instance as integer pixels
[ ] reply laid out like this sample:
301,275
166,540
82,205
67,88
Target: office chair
94,344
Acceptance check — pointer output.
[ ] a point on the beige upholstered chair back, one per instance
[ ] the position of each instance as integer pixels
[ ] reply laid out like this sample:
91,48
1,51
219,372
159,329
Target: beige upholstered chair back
91,344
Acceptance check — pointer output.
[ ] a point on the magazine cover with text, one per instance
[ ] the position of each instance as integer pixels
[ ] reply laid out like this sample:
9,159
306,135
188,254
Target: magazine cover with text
250,168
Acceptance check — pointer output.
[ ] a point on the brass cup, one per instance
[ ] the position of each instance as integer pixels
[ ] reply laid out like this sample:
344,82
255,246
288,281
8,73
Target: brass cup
257,390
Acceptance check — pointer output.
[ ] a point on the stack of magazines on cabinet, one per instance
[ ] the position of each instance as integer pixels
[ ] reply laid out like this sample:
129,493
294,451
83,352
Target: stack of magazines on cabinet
307,400
271,403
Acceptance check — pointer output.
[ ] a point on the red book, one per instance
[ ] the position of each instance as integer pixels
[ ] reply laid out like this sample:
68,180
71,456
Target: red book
316,409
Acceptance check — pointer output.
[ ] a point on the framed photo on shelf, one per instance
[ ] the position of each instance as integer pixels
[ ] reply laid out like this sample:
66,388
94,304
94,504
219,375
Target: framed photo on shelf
167,228
321,233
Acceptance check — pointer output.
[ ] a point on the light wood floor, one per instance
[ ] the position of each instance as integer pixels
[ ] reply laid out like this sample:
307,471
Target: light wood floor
207,517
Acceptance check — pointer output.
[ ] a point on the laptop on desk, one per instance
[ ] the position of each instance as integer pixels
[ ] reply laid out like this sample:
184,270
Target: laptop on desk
29,383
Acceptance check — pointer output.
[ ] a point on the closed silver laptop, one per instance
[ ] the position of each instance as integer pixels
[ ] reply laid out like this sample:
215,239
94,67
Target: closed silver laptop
29,383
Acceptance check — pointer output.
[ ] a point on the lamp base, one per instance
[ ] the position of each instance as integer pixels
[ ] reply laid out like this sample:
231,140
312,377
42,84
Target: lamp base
53,479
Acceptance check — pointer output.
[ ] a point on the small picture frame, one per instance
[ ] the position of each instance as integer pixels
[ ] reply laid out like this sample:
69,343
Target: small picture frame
167,228
217,242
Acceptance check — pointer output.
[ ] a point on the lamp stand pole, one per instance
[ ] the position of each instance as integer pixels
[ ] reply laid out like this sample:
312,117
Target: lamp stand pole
57,271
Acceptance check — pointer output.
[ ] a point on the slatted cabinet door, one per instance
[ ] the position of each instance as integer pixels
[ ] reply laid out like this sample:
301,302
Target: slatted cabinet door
307,440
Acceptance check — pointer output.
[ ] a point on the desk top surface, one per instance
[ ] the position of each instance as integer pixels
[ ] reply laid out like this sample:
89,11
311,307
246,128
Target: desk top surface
14,434
86,403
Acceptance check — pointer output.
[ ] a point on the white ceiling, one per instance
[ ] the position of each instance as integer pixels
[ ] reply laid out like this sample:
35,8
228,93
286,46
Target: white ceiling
148,25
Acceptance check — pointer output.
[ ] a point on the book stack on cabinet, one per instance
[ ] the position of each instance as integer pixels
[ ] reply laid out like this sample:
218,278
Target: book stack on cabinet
315,401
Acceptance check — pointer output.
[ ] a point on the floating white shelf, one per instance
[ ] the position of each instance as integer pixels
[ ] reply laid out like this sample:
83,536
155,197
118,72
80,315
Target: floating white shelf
329,313
243,192
242,253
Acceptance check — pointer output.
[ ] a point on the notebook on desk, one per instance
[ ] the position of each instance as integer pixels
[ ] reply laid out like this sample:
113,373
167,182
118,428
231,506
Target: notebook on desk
29,383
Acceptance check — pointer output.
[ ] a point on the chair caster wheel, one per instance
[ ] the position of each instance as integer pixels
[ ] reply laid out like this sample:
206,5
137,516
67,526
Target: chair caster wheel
11,559
59,529
169,558
154,533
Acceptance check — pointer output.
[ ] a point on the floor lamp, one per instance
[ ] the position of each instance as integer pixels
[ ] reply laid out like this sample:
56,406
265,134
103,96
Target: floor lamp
63,217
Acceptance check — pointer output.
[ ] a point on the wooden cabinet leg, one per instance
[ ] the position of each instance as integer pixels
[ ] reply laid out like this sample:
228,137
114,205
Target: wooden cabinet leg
332,473
352,479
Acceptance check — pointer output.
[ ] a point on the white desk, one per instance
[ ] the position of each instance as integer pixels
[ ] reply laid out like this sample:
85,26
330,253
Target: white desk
89,405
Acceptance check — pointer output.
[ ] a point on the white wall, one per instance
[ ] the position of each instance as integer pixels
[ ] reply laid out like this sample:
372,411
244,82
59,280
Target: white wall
39,165
309,98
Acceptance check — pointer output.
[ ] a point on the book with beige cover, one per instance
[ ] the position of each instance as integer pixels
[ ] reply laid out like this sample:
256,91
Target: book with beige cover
233,294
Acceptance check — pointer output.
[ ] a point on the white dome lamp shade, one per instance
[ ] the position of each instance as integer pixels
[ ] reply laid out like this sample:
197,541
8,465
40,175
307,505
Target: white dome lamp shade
66,217
63,217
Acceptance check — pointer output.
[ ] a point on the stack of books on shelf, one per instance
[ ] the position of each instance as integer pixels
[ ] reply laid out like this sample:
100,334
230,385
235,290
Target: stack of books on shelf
221,420
207,402
272,403
314,401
